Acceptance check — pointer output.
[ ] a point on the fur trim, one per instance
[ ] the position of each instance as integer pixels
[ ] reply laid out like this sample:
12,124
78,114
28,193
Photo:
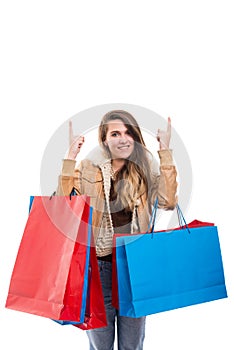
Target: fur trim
98,158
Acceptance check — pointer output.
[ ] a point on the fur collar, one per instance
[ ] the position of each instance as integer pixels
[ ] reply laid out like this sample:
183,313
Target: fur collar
98,158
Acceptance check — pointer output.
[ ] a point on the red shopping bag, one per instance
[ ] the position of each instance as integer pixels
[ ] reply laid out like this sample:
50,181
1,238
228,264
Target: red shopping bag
48,278
95,313
115,299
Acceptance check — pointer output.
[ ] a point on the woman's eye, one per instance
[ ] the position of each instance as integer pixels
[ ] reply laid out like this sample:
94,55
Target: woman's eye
114,134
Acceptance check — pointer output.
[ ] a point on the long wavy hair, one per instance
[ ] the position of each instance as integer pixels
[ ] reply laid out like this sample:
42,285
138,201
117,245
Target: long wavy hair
135,174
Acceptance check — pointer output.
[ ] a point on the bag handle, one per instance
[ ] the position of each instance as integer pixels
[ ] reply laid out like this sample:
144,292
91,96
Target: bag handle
73,193
181,219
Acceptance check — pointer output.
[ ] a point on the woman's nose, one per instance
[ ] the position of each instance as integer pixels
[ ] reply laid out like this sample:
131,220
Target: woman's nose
123,139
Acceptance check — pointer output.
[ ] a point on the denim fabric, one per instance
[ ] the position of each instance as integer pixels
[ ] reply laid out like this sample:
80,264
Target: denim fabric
130,331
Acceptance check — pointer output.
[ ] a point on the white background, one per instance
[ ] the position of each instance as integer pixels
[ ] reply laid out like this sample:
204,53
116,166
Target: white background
173,57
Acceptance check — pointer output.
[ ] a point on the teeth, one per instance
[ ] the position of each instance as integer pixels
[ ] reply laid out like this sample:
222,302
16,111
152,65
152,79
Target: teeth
123,147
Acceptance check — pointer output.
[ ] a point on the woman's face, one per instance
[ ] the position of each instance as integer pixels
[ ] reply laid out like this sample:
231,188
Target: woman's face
119,140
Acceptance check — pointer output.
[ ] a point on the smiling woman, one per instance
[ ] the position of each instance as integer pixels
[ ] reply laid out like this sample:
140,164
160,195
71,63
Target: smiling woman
122,180
119,141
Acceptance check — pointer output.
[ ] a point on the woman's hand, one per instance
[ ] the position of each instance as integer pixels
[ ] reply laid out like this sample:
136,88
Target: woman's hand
164,137
75,143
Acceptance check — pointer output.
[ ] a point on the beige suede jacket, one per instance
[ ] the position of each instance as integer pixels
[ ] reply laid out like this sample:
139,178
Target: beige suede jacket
92,177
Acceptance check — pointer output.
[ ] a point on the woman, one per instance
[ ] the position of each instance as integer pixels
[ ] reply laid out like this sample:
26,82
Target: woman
122,180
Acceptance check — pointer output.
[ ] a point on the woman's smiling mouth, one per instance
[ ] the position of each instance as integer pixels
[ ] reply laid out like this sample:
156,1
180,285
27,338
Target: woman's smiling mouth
123,147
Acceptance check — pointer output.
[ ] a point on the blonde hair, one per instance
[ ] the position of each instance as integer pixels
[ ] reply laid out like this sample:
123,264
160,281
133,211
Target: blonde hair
136,170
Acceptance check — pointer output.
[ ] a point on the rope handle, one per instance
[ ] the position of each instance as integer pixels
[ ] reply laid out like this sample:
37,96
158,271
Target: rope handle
73,193
181,219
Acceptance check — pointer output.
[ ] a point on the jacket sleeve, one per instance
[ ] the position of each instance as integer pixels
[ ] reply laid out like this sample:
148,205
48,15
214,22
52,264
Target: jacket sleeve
164,182
70,178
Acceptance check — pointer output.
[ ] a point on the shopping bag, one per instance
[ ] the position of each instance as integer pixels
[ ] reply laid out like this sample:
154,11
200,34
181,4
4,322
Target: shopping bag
50,276
166,270
115,298
95,313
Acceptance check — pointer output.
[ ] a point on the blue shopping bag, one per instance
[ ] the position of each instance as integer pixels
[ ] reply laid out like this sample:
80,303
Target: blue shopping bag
162,271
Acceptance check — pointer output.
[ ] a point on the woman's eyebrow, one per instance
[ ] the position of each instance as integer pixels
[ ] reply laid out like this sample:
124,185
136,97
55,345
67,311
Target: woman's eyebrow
115,131
119,130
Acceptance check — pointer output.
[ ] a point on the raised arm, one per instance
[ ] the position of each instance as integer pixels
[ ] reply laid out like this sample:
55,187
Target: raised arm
165,182
75,143
70,177
164,136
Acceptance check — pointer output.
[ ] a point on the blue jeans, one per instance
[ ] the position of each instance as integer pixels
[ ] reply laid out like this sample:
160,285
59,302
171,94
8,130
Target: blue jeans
131,331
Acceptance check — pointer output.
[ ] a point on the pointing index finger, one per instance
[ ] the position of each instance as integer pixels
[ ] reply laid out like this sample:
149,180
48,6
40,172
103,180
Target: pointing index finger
169,125
70,132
